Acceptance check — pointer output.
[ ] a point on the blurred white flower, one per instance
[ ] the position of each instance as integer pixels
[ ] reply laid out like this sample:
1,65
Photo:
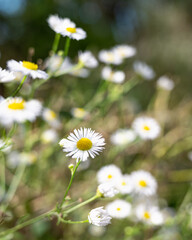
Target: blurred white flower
82,73
149,214
123,137
165,83
27,68
143,70
6,76
66,27
143,183
15,158
87,59
99,217
107,190
96,231
112,76
119,209
125,51
83,143
109,173
54,62
16,109
110,57
5,146
146,127
79,113
124,184
50,117
49,136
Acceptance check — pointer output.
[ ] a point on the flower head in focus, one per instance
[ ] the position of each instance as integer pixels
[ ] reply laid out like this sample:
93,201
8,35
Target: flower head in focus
109,173
119,209
83,143
110,57
143,70
87,59
146,127
165,83
27,68
107,190
123,137
143,183
125,51
113,76
99,217
16,109
6,76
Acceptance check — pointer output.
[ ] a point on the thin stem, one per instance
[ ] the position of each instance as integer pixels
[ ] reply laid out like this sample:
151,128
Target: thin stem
20,86
82,204
73,222
56,42
3,173
71,180
67,44
14,185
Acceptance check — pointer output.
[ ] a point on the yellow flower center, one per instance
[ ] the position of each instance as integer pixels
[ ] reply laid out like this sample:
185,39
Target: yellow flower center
17,105
109,176
123,183
110,57
146,128
71,30
146,215
30,65
118,209
142,183
51,115
84,144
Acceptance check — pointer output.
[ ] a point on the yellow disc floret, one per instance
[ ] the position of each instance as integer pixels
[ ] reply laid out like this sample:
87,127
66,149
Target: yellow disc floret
109,176
146,215
118,209
71,30
84,144
16,105
123,183
142,183
146,128
30,65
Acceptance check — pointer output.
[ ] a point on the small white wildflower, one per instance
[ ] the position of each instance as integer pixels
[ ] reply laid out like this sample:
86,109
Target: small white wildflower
165,83
123,137
125,51
110,57
109,173
124,184
79,113
96,231
15,158
119,209
50,117
112,76
83,143
149,214
54,62
27,68
87,59
49,136
144,70
6,76
99,217
143,183
107,190
16,109
82,73
146,127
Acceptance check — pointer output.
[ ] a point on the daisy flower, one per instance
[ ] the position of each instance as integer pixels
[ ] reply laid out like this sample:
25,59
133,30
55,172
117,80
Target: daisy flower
79,113
149,214
124,184
123,137
125,51
83,143
143,183
165,83
16,109
49,136
146,127
50,117
6,76
27,68
107,190
54,62
112,76
99,217
119,209
143,70
66,27
110,57
87,59
82,73
109,173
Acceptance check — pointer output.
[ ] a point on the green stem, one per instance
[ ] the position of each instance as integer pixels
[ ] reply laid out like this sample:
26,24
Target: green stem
67,44
71,180
14,185
82,204
56,42
20,86
3,173
73,222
